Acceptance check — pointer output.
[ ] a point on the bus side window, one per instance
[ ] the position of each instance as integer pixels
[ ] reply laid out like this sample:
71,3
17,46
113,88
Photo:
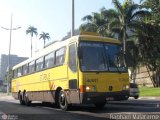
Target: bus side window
60,55
25,69
49,60
19,71
15,73
31,66
39,64
72,57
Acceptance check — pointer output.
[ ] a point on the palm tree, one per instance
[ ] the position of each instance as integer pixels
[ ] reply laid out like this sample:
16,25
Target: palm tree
93,22
129,13
148,39
99,22
153,6
31,30
44,36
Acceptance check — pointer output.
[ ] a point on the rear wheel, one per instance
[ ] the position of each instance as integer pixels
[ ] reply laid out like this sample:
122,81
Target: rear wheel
63,101
126,97
136,97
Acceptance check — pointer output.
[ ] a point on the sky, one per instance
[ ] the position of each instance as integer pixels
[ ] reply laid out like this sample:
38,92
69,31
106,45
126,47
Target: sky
51,16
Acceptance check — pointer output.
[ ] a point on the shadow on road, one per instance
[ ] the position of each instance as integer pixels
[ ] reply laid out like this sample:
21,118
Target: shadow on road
39,111
86,112
113,106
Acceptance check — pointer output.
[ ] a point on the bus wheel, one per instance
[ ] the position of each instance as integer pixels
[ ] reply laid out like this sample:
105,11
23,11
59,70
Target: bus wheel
21,101
100,105
63,101
136,97
26,100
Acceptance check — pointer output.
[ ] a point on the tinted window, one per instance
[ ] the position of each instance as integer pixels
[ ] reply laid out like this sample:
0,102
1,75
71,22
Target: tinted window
92,56
25,69
99,56
19,71
72,57
15,73
60,56
49,60
39,64
115,58
31,67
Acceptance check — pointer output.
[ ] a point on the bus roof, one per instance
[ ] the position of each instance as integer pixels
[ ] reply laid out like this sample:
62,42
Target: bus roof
99,38
58,44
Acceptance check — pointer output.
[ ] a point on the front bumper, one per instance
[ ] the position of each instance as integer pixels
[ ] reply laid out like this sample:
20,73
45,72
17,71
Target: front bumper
99,97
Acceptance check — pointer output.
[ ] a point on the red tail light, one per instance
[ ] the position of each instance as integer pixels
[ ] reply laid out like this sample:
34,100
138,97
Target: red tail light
82,88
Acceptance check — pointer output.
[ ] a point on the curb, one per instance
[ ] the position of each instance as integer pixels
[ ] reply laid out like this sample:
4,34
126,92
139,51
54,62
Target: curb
149,98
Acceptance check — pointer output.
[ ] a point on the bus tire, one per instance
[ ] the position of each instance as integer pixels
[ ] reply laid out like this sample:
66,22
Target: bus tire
100,105
63,104
21,101
136,97
58,90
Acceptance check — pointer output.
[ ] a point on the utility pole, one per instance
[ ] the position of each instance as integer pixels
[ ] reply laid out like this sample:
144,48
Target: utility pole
9,53
72,31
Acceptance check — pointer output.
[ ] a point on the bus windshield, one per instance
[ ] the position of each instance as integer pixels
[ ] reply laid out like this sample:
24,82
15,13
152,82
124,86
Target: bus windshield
100,56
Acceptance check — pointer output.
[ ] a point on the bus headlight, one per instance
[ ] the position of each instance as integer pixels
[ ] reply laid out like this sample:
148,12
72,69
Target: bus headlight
125,87
90,88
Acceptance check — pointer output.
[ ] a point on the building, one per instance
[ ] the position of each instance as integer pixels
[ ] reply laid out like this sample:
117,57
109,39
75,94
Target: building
14,59
76,32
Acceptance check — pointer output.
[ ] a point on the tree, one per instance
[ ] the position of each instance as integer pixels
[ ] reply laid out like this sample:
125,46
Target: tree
154,7
32,31
44,36
149,48
149,39
99,22
128,13
93,22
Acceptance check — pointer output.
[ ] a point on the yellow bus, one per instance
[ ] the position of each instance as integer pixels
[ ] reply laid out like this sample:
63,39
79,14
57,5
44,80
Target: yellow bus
84,69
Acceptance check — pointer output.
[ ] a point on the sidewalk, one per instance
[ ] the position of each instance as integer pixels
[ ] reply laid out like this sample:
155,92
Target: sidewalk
149,98
4,96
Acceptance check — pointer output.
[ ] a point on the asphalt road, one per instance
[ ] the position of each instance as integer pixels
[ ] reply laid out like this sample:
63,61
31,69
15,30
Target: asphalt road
131,109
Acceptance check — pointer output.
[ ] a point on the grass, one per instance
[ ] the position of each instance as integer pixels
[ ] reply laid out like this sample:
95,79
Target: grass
149,91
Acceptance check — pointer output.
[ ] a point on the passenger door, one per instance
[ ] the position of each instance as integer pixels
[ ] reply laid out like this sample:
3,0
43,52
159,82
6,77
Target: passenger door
73,74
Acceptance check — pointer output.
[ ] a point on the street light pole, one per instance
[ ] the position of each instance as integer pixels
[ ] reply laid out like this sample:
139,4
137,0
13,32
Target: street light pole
72,31
9,53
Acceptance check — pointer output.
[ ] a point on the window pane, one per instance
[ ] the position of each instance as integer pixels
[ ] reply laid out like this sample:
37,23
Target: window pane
31,67
98,56
39,64
72,57
60,56
25,69
19,71
115,57
15,73
92,56
49,60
